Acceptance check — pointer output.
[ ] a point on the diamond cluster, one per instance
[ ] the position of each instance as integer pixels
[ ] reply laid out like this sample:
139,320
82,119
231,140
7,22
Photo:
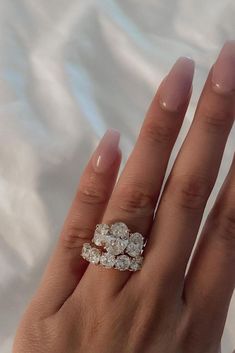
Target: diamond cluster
123,249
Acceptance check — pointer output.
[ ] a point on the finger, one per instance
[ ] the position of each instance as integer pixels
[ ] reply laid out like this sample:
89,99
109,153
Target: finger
192,177
66,266
210,281
134,198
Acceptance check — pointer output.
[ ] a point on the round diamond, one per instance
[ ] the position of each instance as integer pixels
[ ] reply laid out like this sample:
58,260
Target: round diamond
107,260
135,245
120,230
122,262
136,263
115,246
86,248
100,234
94,256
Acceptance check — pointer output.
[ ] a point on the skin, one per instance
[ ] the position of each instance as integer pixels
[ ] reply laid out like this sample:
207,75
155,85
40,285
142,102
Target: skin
86,309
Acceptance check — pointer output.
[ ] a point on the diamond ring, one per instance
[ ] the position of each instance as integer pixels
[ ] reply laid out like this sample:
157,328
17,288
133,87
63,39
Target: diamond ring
120,249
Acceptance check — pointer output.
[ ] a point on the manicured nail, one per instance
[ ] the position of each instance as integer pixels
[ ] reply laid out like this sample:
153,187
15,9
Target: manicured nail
106,152
177,84
223,76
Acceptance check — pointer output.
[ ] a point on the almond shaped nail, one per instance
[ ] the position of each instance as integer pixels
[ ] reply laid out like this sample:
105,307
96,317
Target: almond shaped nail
223,75
106,152
178,84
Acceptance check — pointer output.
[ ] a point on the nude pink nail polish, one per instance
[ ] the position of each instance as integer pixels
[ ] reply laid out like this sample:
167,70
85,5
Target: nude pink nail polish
223,75
177,84
107,151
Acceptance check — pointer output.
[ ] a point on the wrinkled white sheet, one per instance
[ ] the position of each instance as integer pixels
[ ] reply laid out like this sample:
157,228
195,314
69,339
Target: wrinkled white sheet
69,69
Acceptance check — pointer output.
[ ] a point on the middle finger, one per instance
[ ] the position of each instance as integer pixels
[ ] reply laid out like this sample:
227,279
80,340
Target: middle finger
193,176
134,198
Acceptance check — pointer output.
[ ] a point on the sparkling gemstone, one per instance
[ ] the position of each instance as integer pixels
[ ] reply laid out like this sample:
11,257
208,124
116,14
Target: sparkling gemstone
115,246
122,262
135,245
94,256
107,260
100,234
86,248
136,263
120,230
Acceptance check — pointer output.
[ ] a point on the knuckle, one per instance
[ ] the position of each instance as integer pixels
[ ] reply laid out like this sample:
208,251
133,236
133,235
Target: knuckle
135,199
91,194
76,230
191,191
226,226
75,235
214,121
155,132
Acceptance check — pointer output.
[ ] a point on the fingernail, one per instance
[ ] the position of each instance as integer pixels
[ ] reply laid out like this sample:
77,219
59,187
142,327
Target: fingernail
223,76
177,85
106,152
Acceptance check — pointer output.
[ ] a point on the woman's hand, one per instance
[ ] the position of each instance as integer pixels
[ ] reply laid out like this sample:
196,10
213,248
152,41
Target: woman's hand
91,309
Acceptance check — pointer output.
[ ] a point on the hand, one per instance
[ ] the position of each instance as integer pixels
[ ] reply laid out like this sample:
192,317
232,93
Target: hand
161,308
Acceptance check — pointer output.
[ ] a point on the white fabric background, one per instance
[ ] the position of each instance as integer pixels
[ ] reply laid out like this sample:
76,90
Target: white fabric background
69,70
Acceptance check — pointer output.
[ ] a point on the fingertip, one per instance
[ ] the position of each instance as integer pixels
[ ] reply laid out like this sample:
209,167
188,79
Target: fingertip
177,84
106,152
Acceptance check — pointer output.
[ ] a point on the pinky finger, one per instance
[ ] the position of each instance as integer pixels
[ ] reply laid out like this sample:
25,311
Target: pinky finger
66,266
